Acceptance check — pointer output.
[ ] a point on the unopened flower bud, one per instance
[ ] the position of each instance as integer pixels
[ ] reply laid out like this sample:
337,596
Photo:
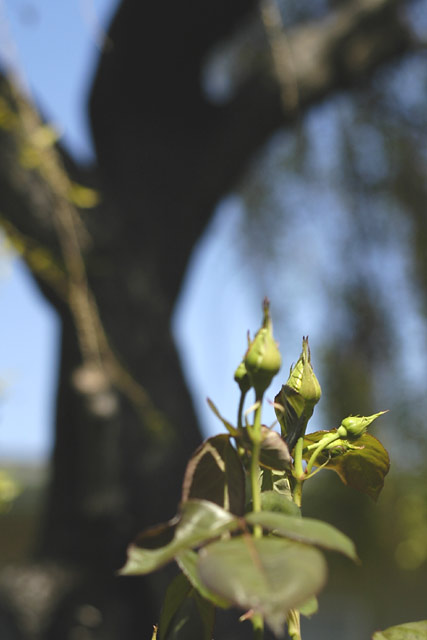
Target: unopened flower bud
262,359
298,397
355,426
303,380
241,376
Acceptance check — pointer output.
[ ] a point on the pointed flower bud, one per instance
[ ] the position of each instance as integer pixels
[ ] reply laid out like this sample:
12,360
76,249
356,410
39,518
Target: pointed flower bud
262,359
356,426
241,376
298,397
302,378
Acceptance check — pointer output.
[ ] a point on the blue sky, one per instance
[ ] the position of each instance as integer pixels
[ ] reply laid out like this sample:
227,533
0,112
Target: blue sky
29,333
53,47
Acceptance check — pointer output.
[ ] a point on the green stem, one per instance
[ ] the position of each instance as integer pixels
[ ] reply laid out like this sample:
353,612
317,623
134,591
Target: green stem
293,617
298,472
324,442
240,410
294,625
256,493
258,626
255,435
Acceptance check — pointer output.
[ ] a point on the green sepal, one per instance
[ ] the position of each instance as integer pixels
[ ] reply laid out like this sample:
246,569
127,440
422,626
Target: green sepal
185,614
230,428
408,631
361,463
215,473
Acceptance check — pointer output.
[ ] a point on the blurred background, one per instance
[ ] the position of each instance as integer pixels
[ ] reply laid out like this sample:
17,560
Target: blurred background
207,156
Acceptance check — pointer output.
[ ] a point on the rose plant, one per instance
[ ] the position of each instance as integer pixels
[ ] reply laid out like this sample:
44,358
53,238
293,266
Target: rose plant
239,537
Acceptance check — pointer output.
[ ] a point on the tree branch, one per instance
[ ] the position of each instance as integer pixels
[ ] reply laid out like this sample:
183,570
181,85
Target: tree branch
339,52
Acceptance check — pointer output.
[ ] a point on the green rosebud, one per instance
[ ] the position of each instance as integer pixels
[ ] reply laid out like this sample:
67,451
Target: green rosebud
241,376
262,359
298,397
356,426
303,380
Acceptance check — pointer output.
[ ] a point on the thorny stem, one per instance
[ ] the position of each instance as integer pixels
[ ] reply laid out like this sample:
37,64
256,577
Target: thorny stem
324,442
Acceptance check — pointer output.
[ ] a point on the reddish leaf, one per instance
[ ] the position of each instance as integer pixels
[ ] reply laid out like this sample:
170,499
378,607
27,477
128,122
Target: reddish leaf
215,473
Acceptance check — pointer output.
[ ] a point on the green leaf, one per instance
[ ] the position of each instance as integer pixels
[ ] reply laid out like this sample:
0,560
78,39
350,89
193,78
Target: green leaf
215,473
199,522
187,561
269,575
310,607
176,593
307,530
361,463
408,631
274,501
184,613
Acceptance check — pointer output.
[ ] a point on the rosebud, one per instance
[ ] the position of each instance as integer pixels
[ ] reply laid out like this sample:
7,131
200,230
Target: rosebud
298,397
262,359
356,426
241,376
